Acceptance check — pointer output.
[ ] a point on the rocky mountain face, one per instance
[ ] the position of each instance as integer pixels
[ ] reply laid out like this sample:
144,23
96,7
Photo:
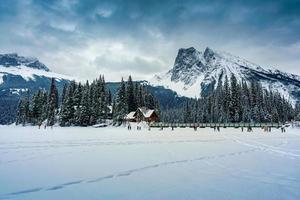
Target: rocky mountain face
196,73
19,74
14,60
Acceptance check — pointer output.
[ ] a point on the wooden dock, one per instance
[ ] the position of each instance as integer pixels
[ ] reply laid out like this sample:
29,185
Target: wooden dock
213,125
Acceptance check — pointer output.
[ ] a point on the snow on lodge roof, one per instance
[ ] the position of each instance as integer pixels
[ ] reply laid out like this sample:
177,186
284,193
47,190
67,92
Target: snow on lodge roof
147,113
110,109
130,115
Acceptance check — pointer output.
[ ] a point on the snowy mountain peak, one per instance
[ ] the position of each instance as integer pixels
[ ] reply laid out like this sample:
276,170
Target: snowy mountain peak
186,58
186,51
195,74
13,66
188,61
19,70
14,60
208,54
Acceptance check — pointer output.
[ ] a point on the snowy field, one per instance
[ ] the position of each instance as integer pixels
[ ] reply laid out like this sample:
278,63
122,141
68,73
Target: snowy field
114,163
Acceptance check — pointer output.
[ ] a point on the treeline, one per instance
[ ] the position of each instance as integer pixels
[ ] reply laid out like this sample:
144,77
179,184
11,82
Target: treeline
232,101
39,107
83,104
129,97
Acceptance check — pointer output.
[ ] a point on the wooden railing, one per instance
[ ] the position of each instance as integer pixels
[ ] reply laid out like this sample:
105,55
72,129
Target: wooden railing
212,125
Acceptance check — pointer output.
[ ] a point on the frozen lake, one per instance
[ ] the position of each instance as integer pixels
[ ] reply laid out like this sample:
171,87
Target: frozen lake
114,163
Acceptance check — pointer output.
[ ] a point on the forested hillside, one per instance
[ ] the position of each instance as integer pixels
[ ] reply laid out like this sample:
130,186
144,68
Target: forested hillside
234,101
83,104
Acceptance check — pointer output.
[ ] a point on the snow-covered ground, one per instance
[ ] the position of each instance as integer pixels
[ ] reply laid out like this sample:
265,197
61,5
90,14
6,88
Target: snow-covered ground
114,163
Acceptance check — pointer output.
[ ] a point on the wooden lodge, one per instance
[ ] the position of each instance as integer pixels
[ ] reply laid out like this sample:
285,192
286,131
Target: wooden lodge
142,114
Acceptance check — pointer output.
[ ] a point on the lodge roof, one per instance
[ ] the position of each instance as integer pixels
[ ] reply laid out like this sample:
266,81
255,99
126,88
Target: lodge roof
145,111
130,115
110,109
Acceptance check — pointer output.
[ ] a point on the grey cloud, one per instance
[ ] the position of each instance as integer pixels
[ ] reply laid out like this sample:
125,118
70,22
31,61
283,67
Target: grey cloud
137,64
62,33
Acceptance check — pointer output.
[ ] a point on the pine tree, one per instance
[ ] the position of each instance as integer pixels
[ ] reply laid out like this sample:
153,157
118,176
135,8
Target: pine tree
120,103
109,97
21,116
52,104
25,117
84,114
131,99
187,113
37,108
245,101
93,103
150,102
63,95
67,110
139,95
226,100
103,100
234,104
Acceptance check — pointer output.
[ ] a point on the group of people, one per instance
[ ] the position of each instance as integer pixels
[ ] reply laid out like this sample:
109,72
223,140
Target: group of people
283,129
217,128
249,129
137,128
267,128
44,125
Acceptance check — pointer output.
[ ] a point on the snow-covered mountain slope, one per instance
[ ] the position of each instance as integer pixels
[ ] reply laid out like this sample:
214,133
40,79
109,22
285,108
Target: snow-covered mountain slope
13,60
17,75
195,73
27,69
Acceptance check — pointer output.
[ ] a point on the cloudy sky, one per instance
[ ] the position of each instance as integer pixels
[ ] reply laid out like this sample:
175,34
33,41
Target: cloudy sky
84,38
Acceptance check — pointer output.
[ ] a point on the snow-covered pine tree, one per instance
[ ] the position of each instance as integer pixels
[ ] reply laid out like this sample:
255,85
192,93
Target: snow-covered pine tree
195,112
94,103
103,100
187,113
139,95
23,115
109,97
63,94
77,94
131,96
52,104
245,102
150,101
120,103
226,100
234,104
21,112
84,109
44,98
67,109
37,108
218,111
